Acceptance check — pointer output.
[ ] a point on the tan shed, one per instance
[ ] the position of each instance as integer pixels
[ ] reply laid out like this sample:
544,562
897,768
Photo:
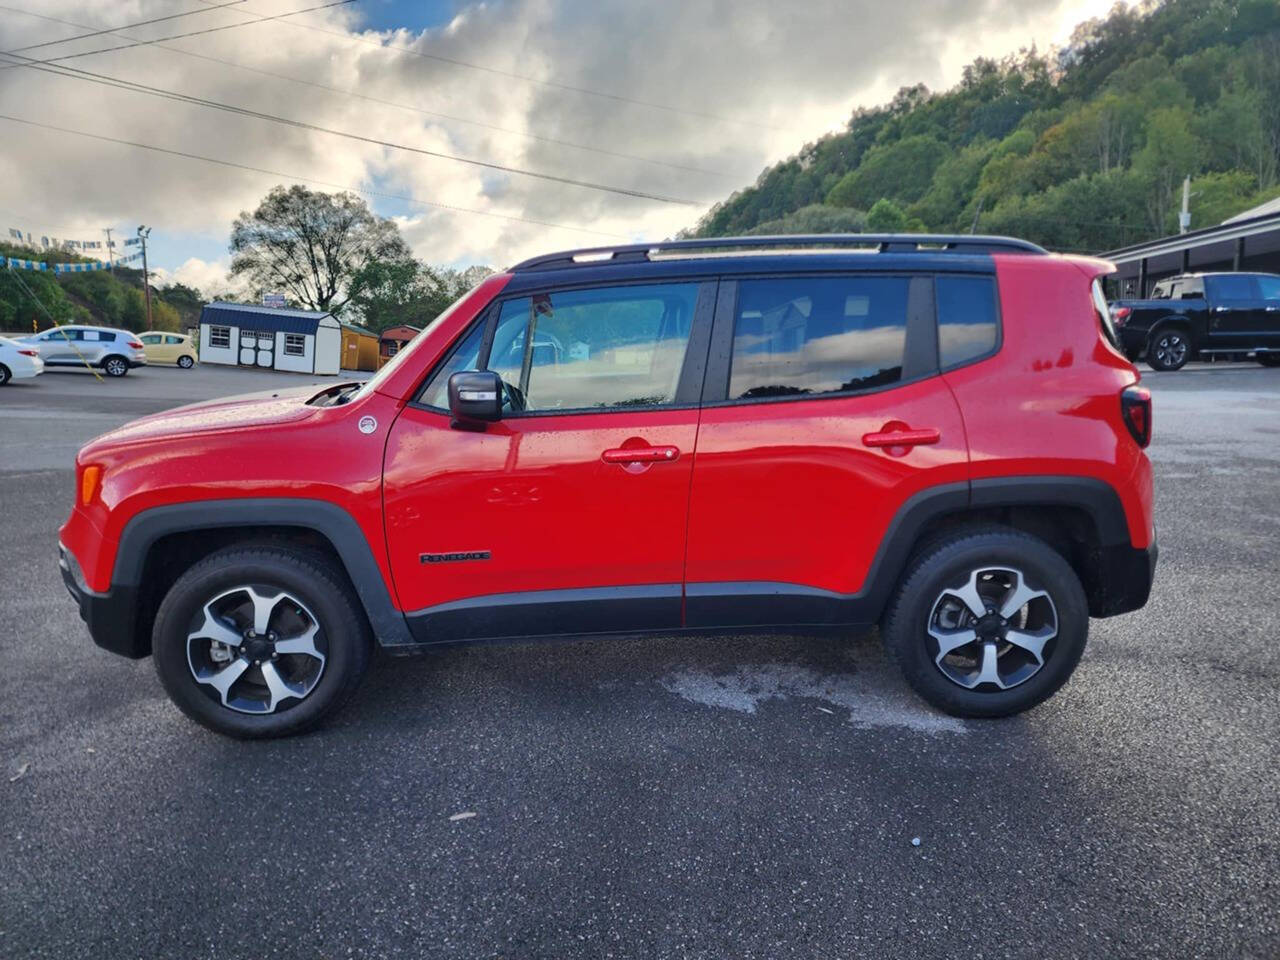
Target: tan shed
359,348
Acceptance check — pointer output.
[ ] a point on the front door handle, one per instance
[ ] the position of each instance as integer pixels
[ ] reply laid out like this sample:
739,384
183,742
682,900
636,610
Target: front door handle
640,455
901,438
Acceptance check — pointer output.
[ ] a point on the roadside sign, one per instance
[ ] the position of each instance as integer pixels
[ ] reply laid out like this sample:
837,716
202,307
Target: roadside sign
273,299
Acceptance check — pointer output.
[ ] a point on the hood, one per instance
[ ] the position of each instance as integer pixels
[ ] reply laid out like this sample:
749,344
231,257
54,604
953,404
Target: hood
266,408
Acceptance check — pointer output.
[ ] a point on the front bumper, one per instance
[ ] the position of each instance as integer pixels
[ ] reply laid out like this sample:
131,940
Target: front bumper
111,616
1125,576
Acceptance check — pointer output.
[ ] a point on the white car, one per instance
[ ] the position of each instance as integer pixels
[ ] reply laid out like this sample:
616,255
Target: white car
18,361
72,345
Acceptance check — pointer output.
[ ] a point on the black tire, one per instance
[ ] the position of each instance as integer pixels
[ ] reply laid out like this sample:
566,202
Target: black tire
1169,349
185,362
115,366
1269,359
948,563
307,575
5,375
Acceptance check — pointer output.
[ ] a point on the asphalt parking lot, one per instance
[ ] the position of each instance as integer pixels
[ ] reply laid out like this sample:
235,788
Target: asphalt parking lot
722,798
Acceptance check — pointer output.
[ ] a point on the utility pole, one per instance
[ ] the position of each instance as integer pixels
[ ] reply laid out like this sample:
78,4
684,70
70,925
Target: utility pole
1184,218
143,233
111,260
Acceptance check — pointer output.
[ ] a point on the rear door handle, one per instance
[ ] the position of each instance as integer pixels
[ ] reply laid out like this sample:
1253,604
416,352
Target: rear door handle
640,455
901,438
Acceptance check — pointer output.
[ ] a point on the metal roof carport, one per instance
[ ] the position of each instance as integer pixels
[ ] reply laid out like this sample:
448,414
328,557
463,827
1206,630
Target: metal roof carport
1243,243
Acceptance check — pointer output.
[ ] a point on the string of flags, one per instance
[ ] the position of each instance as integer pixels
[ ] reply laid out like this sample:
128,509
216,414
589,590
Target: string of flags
53,243
17,263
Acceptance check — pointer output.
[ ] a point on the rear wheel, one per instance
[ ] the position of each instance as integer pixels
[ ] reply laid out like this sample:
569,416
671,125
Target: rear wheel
5,375
1269,359
1169,349
115,366
260,641
185,362
987,623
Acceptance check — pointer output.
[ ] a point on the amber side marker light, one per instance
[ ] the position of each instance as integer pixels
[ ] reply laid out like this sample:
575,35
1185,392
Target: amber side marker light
90,479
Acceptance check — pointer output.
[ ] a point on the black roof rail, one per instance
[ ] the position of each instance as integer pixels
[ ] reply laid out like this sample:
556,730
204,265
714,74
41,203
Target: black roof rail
882,242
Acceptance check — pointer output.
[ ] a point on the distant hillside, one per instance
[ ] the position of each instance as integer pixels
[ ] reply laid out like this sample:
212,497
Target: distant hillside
112,298
1083,150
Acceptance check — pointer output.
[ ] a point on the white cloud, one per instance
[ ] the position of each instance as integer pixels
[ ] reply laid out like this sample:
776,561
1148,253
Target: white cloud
209,278
752,81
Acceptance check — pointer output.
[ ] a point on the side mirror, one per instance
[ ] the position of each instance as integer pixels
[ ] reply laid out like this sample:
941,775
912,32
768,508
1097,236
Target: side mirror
475,397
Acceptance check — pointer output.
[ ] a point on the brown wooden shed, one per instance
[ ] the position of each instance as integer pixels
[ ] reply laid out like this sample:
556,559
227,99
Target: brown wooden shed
393,340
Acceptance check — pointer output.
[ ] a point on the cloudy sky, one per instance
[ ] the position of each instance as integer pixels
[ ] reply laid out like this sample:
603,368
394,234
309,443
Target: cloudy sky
681,102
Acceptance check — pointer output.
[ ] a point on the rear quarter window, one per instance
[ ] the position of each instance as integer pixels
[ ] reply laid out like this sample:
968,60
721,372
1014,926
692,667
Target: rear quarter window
967,321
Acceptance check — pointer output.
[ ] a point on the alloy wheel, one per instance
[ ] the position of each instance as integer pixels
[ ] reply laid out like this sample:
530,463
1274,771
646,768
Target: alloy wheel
117,367
994,632
255,648
1171,349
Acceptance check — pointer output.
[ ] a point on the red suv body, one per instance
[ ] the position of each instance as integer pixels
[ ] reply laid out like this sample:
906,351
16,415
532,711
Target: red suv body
935,434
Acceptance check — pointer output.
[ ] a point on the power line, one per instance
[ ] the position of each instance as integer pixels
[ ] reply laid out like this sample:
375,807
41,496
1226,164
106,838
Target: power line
144,43
161,42
290,176
104,80
126,26
618,98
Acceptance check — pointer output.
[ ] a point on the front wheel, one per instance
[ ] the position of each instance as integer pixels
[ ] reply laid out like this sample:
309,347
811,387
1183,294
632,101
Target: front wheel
185,362
987,623
115,366
1169,350
260,641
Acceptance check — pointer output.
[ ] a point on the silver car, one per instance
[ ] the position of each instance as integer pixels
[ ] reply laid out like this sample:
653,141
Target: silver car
115,351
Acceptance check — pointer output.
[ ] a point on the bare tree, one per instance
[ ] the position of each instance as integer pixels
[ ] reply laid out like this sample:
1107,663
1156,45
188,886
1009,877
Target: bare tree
309,244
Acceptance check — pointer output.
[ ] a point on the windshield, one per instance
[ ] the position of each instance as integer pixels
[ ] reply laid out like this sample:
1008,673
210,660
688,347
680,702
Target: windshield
407,351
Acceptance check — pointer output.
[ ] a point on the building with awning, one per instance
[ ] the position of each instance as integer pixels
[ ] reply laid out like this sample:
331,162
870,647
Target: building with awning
1248,241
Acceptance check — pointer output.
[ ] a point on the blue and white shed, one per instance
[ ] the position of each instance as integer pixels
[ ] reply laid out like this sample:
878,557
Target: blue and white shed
247,335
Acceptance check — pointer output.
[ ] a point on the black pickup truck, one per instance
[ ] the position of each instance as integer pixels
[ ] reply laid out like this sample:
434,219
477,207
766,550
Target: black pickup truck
1195,314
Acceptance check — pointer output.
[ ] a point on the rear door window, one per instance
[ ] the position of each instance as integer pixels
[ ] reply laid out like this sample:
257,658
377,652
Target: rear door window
967,326
1269,287
1232,287
799,336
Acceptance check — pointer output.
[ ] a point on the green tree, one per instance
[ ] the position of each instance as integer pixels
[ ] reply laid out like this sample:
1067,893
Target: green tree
885,216
815,218
954,181
311,244
387,293
901,171
1171,153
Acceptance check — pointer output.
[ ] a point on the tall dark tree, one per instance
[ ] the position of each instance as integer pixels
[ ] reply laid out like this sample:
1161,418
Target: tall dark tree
309,245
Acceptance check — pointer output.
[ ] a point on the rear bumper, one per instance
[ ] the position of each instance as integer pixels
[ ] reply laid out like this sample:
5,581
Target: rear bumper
109,616
138,361
1126,574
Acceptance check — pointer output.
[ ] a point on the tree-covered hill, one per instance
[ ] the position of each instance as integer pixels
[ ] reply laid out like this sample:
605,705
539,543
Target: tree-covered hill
1085,149
28,299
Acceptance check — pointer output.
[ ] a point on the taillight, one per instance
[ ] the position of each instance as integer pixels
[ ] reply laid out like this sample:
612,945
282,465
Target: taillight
1120,314
30,353
134,345
90,479
1135,408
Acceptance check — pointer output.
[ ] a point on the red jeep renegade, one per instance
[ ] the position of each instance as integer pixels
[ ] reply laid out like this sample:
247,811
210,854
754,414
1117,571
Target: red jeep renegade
933,434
